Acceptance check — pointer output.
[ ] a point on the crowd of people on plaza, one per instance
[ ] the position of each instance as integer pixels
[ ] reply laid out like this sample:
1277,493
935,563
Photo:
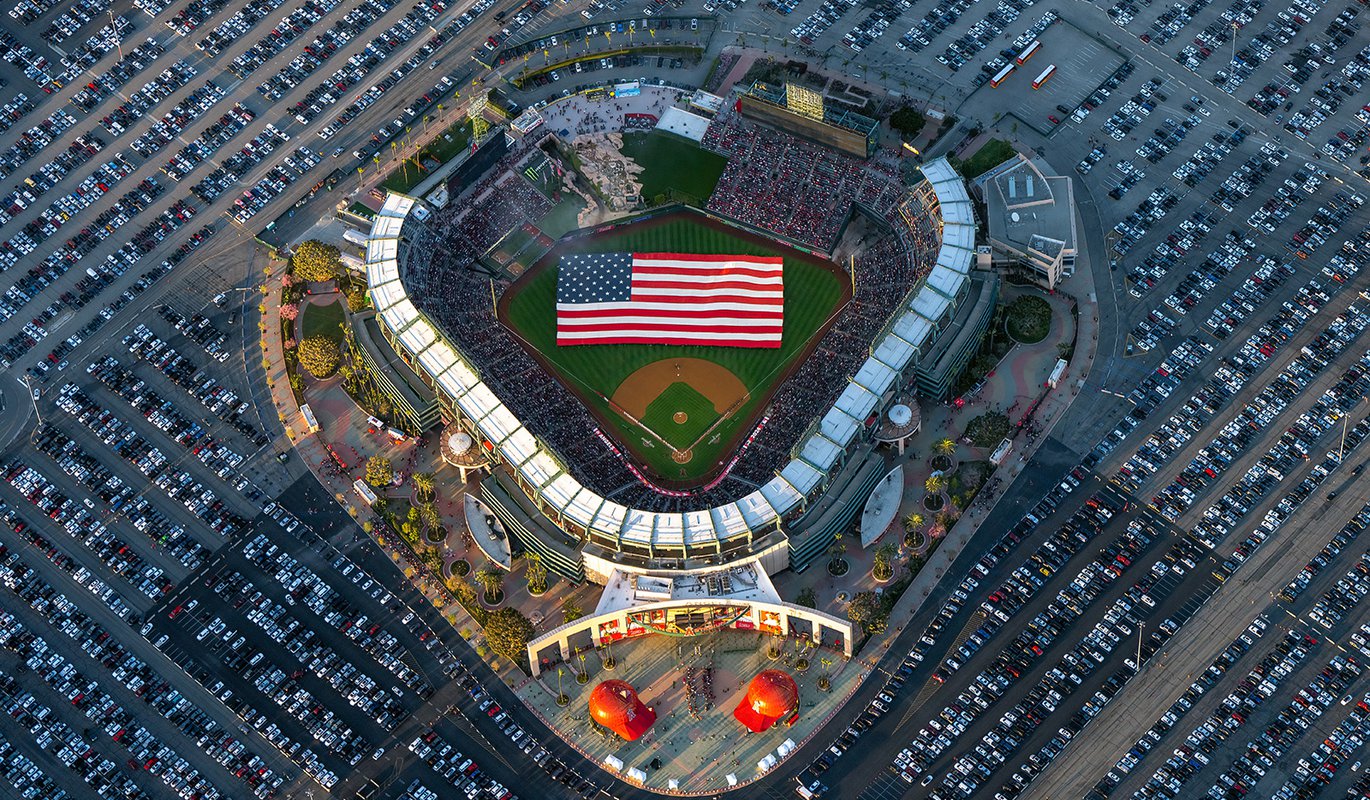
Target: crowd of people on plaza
773,181
699,690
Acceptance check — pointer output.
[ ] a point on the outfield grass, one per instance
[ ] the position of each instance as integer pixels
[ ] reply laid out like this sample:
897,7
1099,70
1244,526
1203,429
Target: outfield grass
672,162
812,294
323,321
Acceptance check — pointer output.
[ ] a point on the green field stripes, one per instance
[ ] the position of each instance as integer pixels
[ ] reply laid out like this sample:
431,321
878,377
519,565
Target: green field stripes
595,371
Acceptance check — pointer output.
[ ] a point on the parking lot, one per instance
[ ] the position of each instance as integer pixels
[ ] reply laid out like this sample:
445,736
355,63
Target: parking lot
158,646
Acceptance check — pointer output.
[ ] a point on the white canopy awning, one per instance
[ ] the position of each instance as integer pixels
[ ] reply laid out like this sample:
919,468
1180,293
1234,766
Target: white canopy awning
946,282
839,427
728,521
875,377
913,329
930,305
669,530
894,352
699,527
540,469
478,403
609,518
583,506
821,452
856,402
801,476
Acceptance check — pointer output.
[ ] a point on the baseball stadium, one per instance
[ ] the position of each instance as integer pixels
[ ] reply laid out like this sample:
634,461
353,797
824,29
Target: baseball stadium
680,467
684,456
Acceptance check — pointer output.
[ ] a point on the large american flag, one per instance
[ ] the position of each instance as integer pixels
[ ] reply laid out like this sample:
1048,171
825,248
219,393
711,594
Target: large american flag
670,298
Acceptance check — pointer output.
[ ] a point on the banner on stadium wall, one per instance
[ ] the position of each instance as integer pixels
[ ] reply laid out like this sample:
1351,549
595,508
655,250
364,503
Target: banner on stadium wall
631,89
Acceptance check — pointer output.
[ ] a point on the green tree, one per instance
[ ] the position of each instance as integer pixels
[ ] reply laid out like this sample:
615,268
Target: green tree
944,447
935,484
508,633
319,355
425,484
570,612
491,579
379,473
883,568
867,611
914,521
536,573
807,597
907,121
316,261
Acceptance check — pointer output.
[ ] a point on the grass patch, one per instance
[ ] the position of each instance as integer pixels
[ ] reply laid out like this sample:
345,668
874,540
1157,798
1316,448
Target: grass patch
593,372
673,163
441,148
680,397
323,321
990,155
563,217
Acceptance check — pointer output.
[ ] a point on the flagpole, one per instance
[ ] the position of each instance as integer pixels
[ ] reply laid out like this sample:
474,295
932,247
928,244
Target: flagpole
494,304
853,275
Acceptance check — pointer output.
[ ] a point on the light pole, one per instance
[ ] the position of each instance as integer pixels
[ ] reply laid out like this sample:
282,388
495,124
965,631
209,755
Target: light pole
1234,44
1140,627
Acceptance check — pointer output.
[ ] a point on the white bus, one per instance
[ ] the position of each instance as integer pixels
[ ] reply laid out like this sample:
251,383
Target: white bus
1044,77
1002,76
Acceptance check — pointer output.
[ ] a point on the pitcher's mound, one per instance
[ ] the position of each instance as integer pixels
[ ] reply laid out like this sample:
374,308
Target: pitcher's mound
680,417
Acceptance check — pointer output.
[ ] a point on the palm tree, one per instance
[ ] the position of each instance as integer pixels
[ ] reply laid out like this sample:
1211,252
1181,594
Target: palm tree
944,447
935,484
425,484
883,568
837,549
491,579
914,521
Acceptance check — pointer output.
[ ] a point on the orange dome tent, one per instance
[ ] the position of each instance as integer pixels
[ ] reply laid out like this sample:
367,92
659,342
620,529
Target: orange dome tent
770,697
615,705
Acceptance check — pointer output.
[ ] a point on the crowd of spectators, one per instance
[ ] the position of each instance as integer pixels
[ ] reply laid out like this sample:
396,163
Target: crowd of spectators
898,252
784,184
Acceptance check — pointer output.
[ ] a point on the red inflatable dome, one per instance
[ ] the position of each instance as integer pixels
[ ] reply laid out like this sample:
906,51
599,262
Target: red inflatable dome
771,696
615,705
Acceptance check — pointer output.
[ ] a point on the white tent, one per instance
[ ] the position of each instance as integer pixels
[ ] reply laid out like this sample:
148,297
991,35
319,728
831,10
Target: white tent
614,763
673,784
732,779
766,763
635,774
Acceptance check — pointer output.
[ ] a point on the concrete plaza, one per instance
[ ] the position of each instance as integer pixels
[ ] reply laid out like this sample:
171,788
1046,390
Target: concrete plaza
698,750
